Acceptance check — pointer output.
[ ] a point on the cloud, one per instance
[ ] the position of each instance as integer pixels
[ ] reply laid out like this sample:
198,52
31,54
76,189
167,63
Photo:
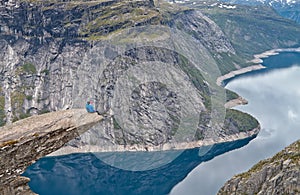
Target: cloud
292,115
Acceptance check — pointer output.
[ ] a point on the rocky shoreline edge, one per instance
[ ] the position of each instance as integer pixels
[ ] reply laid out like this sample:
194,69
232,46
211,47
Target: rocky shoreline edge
235,73
168,146
257,60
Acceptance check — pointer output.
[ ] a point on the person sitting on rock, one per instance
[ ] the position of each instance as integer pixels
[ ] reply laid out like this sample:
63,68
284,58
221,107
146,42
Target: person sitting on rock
90,108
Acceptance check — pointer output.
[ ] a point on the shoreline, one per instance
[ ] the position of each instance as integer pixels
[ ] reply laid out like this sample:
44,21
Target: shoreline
235,102
238,72
257,60
174,146
258,57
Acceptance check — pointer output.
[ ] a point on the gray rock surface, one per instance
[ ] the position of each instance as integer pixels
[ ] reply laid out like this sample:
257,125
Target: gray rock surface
58,56
277,175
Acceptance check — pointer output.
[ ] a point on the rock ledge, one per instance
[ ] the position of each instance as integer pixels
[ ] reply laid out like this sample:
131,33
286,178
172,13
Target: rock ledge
27,140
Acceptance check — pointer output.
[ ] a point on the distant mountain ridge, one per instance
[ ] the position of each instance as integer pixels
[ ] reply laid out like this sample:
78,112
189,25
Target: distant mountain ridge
250,2
286,8
266,2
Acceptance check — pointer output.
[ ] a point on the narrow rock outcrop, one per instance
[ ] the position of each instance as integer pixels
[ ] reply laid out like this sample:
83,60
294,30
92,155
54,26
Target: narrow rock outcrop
27,140
277,175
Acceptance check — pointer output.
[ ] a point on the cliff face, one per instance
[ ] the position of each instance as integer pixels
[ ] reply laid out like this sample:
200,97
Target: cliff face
42,43
277,175
24,142
129,57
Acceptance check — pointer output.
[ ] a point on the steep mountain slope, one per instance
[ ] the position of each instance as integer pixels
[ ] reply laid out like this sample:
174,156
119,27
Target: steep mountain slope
250,29
137,59
253,29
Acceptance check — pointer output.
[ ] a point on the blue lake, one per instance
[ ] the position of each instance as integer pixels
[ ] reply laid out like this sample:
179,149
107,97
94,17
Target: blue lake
274,99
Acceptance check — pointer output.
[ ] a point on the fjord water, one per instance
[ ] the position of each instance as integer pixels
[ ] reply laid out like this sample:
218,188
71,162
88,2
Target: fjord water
274,99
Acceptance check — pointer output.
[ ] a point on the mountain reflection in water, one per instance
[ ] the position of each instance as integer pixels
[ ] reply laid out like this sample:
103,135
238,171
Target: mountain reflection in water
86,174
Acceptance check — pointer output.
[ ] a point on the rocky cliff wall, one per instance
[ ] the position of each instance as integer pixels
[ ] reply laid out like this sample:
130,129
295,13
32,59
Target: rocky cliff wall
277,175
39,48
129,57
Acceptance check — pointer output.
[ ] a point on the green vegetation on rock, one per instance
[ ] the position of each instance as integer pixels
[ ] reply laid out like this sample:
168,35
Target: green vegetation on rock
243,121
27,68
230,95
196,78
118,16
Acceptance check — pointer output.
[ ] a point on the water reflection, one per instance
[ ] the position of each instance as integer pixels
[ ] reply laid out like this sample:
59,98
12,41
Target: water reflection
87,174
274,99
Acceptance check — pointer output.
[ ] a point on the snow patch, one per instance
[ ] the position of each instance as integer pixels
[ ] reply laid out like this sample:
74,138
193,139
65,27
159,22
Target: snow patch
227,6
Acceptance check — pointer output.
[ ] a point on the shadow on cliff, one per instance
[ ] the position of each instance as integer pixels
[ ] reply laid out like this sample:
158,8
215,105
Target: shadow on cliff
86,174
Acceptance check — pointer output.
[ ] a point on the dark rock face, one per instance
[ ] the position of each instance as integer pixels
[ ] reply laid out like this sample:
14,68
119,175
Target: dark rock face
153,107
277,175
147,102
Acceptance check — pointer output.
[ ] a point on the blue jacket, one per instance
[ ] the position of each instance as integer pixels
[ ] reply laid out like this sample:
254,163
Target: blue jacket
89,108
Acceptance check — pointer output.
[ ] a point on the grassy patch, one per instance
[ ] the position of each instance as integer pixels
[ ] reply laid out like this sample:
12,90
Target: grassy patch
119,16
29,97
29,68
197,79
26,68
17,100
45,71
